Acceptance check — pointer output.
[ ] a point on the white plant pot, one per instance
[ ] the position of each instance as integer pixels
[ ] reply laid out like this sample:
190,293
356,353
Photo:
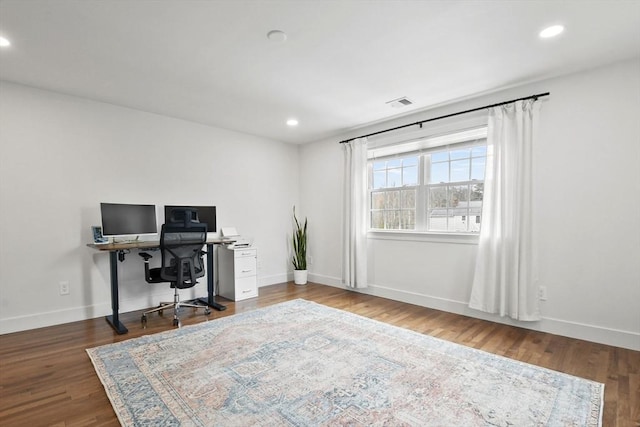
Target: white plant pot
300,277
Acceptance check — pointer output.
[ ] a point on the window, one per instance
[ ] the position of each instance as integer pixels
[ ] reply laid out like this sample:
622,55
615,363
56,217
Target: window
426,186
393,197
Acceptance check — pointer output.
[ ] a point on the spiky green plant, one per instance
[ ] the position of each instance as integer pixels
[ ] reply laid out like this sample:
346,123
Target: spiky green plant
299,239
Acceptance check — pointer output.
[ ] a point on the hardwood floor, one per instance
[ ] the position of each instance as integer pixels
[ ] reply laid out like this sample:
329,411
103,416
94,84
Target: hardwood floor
46,377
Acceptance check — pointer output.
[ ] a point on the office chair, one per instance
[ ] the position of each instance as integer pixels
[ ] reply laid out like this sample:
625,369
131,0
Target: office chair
181,243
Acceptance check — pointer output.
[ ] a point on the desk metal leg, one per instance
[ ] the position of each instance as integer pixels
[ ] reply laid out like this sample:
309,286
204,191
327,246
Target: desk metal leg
114,319
210,279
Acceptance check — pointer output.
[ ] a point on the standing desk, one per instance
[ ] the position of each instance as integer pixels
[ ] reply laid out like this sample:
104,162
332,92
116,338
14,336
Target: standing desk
119,250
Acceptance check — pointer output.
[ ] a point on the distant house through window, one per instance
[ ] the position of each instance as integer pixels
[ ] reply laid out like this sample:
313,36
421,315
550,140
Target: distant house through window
433,184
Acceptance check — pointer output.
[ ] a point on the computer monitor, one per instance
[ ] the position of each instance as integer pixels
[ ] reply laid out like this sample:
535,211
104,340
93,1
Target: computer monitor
206,214
119,219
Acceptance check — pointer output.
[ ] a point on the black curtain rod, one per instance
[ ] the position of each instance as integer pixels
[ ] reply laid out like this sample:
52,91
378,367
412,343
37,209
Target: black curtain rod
539,95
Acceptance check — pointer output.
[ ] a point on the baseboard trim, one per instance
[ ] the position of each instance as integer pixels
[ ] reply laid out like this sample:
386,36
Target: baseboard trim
593,333
74,314
51,318
58,317
274,279
599,334
326,280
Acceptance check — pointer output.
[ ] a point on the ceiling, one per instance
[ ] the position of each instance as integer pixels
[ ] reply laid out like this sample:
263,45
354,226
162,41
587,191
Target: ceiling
211,61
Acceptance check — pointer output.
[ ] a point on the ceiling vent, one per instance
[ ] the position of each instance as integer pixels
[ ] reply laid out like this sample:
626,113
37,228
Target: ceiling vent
400,102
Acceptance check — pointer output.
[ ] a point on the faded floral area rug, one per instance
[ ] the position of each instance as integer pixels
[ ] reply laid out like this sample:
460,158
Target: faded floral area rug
300,363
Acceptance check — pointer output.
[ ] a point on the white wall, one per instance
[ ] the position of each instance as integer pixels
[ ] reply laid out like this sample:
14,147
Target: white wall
587,168
60,156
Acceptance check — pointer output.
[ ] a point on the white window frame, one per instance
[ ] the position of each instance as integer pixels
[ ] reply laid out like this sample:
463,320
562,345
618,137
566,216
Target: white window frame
422,147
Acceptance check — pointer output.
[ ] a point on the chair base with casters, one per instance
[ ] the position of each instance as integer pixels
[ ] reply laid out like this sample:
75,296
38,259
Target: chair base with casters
152,275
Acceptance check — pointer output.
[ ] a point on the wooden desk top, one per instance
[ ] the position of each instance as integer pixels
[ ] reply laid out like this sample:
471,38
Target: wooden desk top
145,244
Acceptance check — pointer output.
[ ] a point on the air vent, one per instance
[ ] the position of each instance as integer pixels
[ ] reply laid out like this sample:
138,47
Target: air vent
400,102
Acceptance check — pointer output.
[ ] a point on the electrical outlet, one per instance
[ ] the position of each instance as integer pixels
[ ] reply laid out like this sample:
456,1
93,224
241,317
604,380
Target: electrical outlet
542,293
64,288
310,260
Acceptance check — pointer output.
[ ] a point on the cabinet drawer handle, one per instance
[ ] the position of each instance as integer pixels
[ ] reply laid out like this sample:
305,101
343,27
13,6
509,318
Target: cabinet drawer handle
247,271
246,253
247,291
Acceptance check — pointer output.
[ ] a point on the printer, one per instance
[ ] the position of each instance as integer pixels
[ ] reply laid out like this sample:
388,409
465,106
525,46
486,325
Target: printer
231,233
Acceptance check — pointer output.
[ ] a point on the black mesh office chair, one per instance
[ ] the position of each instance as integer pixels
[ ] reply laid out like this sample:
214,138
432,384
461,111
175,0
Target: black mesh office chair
181,247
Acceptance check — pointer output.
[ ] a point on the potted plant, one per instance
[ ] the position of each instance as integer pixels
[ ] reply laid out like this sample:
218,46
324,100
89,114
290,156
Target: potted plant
299,258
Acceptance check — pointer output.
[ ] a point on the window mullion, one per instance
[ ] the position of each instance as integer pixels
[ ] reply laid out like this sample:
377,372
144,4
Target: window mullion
421,195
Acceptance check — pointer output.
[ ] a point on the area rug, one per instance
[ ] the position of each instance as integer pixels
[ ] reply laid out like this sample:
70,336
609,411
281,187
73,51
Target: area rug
304,364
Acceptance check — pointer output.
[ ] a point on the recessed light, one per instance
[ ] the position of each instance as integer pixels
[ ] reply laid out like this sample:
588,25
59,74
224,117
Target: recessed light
4,42
551,31
277,36
292,122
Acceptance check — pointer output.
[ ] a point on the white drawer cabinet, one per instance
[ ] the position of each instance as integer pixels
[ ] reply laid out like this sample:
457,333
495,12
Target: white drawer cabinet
237,273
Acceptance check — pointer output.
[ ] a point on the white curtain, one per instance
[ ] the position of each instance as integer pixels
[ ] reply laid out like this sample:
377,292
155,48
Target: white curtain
504,281
354,249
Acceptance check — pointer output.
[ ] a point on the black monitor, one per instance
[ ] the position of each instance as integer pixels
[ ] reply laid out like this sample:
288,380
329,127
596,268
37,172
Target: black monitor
119,219
206,214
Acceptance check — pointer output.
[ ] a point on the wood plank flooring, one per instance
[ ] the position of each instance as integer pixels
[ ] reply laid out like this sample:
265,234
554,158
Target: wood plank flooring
47,379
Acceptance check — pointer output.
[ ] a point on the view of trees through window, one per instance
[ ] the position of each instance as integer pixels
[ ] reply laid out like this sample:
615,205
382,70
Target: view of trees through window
436,190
